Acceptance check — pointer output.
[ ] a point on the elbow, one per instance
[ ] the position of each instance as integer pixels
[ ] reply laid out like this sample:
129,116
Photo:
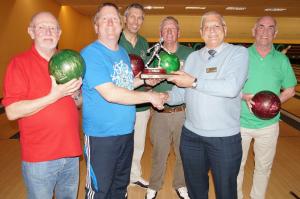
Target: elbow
10,116
110,98
234,92
293,93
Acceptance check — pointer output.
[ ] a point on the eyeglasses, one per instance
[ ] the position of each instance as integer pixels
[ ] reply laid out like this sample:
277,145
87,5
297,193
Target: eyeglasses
269,29
216,27
41,28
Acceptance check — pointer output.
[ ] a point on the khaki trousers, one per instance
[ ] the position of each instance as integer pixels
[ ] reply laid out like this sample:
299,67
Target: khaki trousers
265,141
166,129
140,129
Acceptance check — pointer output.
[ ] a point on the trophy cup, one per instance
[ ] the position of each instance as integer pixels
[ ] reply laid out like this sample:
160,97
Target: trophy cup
163,62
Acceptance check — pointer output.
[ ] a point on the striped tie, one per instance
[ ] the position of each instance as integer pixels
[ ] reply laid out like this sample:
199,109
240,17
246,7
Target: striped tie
211,53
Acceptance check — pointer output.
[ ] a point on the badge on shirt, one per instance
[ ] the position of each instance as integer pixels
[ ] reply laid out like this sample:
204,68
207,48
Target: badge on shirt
211,70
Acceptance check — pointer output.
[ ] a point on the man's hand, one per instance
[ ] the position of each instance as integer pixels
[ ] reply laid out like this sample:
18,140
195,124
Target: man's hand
61,90
248,98
158,99
153,81
181,79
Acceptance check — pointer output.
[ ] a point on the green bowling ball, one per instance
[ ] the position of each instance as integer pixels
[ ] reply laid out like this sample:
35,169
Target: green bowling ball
66,65
169,62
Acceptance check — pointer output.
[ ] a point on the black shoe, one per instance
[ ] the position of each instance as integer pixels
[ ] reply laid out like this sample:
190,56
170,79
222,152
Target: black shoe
141,184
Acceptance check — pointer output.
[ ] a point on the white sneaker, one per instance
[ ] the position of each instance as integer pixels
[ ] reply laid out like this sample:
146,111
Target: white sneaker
151,194
182,193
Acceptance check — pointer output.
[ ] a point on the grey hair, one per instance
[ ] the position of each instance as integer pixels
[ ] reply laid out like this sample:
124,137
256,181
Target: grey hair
31,23
167,19
260,18
212,13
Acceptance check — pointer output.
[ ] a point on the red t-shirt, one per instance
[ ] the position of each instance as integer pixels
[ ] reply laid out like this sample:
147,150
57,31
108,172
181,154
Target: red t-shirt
51,133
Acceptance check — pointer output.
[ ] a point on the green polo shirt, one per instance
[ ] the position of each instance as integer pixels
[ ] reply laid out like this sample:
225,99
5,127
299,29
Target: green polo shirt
182,53
273,72
139,49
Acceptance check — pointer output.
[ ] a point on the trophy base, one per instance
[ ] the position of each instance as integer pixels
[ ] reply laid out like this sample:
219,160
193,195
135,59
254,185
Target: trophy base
154,73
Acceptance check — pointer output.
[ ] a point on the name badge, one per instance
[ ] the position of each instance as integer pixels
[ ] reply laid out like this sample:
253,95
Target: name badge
211,70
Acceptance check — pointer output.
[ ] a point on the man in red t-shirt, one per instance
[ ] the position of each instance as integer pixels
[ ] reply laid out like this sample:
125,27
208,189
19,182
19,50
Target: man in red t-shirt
46,113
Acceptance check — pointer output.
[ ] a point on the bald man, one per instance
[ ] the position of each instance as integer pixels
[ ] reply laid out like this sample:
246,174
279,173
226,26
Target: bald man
46,113
268,70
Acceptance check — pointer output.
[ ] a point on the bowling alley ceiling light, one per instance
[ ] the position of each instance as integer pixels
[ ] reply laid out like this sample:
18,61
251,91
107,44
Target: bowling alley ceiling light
275,9
194,7
235,8
154,7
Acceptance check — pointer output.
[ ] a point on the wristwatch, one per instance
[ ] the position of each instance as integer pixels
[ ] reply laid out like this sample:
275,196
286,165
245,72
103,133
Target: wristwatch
194,84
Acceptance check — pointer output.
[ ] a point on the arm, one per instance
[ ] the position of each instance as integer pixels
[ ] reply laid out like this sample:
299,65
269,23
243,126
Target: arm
248,98
287,94
119,95
176,96
235,73
26,108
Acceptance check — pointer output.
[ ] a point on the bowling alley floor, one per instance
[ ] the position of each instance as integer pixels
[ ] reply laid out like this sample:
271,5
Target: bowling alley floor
285,177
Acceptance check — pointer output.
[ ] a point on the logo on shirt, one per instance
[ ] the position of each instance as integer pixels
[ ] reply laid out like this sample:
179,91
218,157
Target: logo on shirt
122,75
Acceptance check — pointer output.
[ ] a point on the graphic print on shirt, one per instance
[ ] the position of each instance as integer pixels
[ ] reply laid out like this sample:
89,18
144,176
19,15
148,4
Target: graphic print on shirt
122,75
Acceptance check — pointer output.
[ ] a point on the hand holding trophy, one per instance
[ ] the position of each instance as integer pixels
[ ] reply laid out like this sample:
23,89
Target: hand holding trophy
163,63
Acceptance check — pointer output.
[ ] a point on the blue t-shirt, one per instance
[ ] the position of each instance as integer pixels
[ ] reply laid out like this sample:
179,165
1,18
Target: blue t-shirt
100,117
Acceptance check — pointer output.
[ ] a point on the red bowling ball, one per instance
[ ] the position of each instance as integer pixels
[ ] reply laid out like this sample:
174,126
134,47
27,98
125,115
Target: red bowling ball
137,64
267,105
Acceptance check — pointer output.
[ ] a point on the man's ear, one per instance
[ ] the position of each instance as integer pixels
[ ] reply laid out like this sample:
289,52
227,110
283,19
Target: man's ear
96,28
225,30
30,32
253,31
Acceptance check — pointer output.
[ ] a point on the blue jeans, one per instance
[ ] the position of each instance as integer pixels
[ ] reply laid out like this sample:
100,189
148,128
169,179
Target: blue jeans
220,154
60,176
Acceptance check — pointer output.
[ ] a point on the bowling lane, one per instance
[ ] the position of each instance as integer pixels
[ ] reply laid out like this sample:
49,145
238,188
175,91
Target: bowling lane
8,128
292,106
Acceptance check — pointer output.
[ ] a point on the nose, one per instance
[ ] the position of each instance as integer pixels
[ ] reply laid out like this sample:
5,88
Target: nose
48,31
110,21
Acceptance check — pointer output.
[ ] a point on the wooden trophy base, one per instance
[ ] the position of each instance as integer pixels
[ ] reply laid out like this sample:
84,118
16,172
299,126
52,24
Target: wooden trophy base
154,73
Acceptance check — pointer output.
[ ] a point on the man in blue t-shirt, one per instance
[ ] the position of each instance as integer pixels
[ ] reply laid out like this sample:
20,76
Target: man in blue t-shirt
109,108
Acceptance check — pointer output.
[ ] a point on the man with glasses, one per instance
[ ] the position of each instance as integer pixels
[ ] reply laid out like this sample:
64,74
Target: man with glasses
47,115
268,70
210,86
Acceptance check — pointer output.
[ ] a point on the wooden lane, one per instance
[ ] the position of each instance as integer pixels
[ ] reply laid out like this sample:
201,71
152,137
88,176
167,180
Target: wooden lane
285,173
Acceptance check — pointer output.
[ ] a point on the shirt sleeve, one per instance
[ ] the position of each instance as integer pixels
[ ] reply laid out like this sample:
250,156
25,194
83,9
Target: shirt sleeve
96,69
176,96
234,77
15,87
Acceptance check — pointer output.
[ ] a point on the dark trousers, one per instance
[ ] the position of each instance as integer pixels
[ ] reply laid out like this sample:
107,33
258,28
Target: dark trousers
220,154
108,166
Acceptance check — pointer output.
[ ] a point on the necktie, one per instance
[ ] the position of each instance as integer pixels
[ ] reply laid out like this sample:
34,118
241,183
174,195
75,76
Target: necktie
211,53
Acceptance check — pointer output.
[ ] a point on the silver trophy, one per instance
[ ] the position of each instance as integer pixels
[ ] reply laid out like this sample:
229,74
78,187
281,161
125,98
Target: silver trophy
155,72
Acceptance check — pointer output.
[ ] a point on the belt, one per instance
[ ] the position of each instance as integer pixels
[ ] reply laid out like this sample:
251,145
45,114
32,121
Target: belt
173,109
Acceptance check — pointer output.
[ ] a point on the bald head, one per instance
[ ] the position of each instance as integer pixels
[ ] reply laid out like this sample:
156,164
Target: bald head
269,18
41,17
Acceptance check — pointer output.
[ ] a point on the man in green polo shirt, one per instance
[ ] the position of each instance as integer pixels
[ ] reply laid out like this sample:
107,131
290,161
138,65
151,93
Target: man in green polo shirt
166,125
136,44
268,70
